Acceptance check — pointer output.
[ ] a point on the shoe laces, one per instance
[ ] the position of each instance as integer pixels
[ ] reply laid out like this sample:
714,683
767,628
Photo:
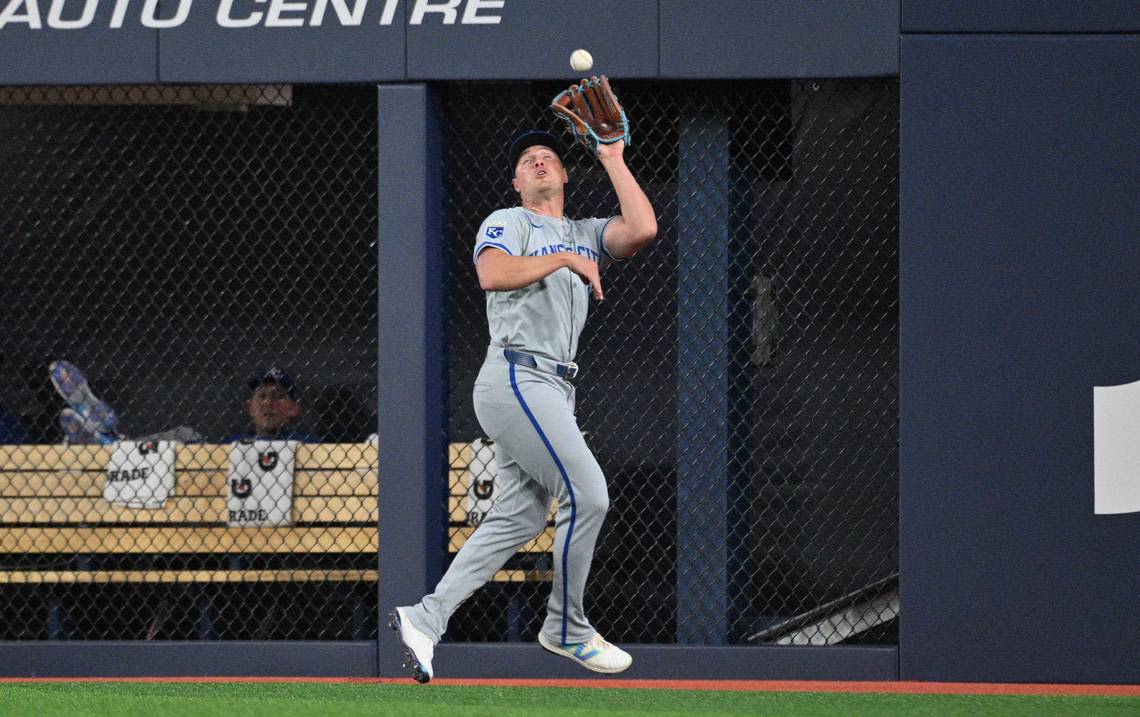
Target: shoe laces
599,642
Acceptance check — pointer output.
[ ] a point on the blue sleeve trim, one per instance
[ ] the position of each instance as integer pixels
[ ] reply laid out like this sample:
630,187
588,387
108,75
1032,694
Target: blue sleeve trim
602,241
486,244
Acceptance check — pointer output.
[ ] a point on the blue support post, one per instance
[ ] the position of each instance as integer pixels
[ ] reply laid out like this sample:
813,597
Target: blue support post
713,265
702,396
207,618
56,622
359,617
411,354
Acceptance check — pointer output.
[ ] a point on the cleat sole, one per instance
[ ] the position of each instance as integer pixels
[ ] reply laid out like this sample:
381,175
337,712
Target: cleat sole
410,662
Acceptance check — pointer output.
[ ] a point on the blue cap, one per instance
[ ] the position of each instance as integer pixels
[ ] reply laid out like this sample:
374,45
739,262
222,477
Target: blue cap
274,375
526,140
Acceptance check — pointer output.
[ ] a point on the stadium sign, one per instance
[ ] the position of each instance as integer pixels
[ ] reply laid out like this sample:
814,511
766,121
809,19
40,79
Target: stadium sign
80,14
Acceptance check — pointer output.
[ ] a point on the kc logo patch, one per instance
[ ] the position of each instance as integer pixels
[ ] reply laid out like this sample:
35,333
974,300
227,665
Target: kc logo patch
494,231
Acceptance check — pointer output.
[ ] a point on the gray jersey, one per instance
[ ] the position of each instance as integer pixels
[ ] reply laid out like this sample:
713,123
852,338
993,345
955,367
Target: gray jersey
546,317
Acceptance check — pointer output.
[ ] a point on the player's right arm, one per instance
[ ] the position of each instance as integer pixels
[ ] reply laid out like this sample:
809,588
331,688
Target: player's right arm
499,271
501,260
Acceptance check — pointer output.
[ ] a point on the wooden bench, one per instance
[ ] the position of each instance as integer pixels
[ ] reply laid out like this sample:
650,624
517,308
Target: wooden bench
52,508
528,566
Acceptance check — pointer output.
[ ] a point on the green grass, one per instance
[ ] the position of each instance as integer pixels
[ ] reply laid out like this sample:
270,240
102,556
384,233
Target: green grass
349,700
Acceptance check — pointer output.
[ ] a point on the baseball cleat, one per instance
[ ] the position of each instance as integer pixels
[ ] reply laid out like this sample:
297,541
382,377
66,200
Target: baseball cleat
97,416
595,654
418,647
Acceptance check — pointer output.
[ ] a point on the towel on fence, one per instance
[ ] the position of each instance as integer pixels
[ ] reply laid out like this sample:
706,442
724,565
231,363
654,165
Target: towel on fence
140,474
261,483
481,474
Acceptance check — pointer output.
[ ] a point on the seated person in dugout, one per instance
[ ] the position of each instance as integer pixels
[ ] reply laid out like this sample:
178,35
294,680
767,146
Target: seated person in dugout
274,408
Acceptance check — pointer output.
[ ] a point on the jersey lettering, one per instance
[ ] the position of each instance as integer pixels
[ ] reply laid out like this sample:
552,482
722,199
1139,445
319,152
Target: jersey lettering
556,248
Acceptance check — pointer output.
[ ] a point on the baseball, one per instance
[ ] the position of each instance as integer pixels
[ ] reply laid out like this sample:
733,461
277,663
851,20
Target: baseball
580,61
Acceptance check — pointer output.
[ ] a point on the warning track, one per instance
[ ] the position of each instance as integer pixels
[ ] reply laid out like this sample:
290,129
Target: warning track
901,687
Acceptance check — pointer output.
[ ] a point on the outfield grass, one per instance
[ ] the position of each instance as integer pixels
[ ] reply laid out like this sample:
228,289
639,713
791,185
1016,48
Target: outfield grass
348,700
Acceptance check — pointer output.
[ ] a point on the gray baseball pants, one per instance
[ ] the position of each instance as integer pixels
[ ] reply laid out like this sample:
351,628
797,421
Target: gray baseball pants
541,453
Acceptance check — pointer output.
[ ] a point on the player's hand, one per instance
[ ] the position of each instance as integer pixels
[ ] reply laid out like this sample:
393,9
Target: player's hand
613,150
587,270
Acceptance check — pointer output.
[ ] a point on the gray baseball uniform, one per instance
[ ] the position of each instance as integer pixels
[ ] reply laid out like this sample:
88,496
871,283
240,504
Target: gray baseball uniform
525,403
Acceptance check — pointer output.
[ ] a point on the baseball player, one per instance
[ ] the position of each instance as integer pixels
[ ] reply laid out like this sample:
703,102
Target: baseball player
539,269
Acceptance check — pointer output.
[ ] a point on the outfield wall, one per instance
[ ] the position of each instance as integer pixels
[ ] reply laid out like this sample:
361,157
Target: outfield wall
1018,244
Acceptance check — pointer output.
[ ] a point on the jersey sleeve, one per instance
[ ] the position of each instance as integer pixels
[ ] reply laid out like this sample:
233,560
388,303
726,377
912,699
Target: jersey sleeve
503,230
605,258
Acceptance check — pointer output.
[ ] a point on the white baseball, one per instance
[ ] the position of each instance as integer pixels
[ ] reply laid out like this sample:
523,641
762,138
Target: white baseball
580,61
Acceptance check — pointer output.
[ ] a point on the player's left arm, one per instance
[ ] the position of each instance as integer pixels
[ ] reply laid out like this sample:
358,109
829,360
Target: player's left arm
637,226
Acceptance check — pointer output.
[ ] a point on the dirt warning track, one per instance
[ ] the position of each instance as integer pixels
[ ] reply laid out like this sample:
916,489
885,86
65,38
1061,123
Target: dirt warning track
911,688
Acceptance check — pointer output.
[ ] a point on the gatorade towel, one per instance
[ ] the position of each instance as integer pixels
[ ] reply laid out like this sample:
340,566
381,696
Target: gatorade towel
260,489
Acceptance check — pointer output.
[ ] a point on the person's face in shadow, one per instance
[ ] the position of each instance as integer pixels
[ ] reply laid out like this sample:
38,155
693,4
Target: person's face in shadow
271,408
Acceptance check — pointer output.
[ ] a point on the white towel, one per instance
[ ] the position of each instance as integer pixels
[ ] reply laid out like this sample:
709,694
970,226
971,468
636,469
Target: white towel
140,474
261,483
482,472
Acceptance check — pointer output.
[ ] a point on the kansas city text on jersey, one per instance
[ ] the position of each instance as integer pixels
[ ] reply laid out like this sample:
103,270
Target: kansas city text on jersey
555,248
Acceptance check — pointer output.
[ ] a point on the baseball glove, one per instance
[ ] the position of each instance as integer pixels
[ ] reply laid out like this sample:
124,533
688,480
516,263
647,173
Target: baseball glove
592,113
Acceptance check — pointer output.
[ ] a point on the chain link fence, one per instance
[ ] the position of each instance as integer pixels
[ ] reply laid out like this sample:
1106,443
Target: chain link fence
188,376
174,245
739,385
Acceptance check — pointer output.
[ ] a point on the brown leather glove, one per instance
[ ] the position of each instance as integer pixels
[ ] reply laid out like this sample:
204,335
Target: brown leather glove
592,113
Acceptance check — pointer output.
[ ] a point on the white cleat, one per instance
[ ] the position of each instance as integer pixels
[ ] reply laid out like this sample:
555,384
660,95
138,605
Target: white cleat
595,654
418,647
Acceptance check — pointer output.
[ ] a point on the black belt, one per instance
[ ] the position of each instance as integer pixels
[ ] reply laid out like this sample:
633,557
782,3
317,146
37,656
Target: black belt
565,370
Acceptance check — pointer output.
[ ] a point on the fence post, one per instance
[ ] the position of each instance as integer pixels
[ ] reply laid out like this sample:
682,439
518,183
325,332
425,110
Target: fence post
712,389
411,362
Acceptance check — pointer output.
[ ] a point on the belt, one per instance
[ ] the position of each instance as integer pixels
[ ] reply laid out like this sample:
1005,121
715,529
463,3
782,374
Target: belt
565,370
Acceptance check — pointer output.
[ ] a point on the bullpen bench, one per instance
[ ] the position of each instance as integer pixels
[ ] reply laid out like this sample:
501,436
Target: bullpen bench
51,505
467,464
56,527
